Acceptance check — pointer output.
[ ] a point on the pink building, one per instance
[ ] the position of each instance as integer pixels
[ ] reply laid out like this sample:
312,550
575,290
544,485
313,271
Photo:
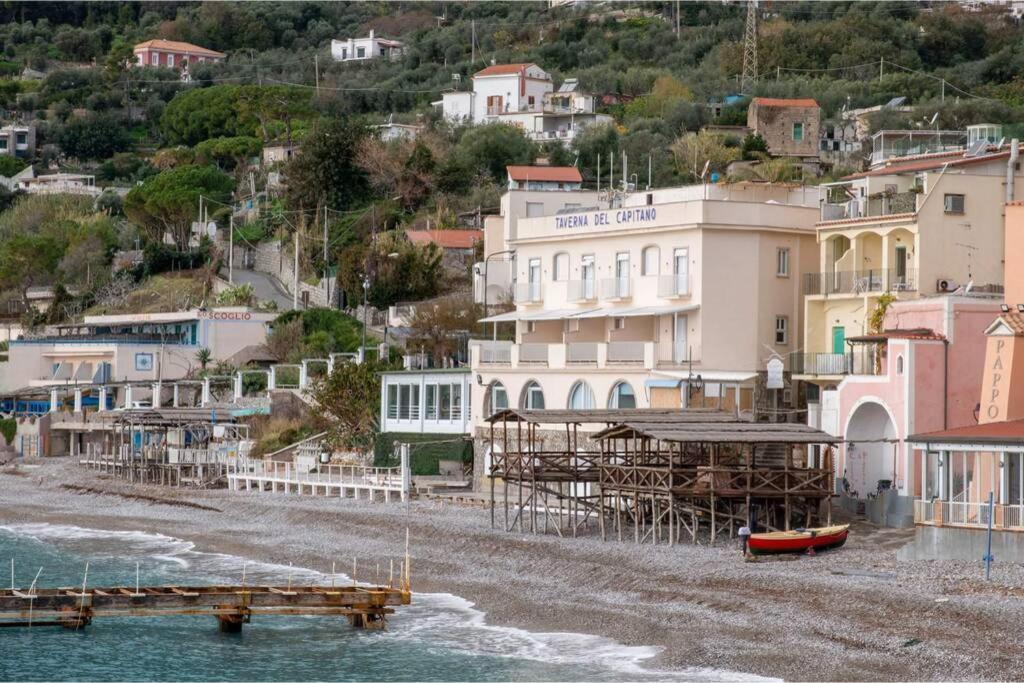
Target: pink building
173,54
921,374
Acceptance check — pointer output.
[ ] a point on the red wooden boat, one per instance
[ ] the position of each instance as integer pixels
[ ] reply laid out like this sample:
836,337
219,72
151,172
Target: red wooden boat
798,540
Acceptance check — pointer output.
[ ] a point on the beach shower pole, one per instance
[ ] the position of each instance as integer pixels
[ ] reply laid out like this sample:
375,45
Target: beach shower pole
988,553
12,574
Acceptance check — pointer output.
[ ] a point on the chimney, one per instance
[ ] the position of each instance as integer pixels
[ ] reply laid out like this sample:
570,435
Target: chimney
371,34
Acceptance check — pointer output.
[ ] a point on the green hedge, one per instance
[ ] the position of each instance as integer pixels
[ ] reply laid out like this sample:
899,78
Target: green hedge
425,450
9,427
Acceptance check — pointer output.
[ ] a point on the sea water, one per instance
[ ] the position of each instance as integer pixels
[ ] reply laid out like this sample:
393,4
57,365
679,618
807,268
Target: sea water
437,638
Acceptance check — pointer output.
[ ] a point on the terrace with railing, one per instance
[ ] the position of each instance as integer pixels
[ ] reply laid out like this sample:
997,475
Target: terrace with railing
860,281
884,204
972,515
598,354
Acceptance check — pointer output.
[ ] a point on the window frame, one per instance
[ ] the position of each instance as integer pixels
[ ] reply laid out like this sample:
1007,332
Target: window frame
782,259
557,274
784,330
798,125
644,256
946,203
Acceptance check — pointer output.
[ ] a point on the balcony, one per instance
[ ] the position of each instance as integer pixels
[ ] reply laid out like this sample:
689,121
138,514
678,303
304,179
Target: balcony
871,207
581,290
495,352
528,293
678,354
970,515
860,281
674,286
640,355
616,288
866,359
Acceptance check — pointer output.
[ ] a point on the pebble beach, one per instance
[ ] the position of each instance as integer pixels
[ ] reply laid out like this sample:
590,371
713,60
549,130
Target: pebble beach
851,614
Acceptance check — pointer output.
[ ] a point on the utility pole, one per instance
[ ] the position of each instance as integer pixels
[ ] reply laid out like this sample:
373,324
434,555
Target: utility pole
231,247
472,43
295,275
316,73
750,49
881,69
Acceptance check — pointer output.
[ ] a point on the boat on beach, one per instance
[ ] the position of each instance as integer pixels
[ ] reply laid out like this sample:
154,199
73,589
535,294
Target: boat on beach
798,540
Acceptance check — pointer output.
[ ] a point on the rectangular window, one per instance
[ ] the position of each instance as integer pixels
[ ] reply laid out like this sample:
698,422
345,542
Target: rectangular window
21,138
431,391
534,279
170,59
3,144
561,267
534,209
798,131
681,271
782,262
360,52
587,276
393,401
344,53
619,323
154,58
781,330
456,401
382,53
403,402
954,203
414,402
572,325
445,401
531,327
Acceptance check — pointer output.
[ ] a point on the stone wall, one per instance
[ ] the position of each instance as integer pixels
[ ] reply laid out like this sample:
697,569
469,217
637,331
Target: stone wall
270,258
775,125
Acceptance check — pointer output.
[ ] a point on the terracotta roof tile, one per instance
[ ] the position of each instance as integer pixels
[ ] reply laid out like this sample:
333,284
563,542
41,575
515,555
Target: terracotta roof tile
922,333
554,174
1015,321
178,46
446,239
782,102
992,432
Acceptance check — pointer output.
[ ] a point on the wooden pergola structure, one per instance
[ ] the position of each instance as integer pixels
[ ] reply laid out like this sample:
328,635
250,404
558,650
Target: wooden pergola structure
661,472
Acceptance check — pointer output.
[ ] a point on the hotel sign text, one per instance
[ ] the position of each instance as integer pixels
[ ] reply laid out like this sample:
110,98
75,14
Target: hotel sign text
603,218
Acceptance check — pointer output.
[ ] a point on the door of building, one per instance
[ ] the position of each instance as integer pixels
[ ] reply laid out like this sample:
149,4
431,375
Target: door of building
838,339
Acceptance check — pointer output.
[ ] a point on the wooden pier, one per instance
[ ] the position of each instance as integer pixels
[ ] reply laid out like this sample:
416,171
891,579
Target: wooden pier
364,607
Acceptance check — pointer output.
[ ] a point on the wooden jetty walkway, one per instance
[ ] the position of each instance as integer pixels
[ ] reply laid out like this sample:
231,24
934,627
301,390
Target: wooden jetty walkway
365,607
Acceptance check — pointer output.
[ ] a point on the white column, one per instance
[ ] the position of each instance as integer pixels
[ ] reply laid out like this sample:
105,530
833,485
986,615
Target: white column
174,397
206,391
272,378
157,390
360,355
303,374
53,400
1003,489
78,400
924,474
330,364
238,386
103,400
128,396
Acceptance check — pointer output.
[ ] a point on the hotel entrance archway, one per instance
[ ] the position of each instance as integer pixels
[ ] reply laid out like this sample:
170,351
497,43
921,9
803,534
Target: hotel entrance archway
870,450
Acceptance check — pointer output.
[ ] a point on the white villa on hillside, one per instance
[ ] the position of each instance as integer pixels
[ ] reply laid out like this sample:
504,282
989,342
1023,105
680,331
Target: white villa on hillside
370,47
524,95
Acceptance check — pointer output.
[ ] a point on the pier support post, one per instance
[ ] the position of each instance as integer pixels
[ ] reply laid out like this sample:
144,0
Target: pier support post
230,623
103,400
78,400
238,387
53,400
272,379
206,392
174,397
303,374
128,396
157,390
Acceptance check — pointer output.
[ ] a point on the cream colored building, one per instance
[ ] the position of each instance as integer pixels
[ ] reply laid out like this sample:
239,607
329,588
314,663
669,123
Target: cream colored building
919,226
671,297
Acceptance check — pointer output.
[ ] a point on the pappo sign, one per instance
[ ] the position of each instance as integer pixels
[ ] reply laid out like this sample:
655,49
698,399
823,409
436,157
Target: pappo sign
225,315
601,218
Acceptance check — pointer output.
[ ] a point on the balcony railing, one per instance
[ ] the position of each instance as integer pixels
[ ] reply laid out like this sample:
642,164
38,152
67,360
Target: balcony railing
973,515
678,353
626,352
533,353
495,352
861,281
865,359
581,353
581,290
616,288
676,285
528,292
870,207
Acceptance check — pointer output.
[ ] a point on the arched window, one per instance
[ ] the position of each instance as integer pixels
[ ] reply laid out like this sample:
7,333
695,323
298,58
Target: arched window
497,397
581,397
622,396
650,264
899,364
533,396
560,267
